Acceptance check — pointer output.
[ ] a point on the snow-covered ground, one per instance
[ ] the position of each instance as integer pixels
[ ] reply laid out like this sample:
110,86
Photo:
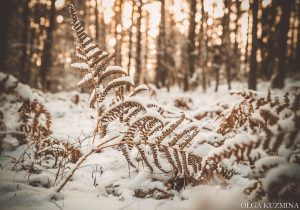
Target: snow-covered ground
104,181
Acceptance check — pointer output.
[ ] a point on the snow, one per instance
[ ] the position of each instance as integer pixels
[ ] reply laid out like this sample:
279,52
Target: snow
122,79
80,65
284,172
114,68
85,79
113,187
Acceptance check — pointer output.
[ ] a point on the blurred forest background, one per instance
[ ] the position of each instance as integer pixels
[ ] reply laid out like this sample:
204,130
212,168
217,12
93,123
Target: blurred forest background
185,43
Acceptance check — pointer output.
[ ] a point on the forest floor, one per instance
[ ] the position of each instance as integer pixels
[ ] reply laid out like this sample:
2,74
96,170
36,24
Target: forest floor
104,181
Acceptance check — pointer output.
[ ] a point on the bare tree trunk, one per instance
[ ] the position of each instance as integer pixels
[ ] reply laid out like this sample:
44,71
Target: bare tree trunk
96,22
5,11
278,81
118,8
145,47
217,69
191,45
246,61
203,47
160,70
32,39
102,31
24,74
238,16
253,64
236,50
227,51
138,58
130,38
297,56
46,57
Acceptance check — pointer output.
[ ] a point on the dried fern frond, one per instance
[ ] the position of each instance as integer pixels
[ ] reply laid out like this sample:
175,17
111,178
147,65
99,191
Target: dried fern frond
170,128
255,191
264,164
81,67
30,114
139,89
114,84
115,111
187,131
111,70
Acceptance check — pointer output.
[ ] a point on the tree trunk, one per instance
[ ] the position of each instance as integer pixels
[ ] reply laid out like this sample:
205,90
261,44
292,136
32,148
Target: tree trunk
24,74
191,45
203,46
138,58
217,70
118,8
102,31
227,51
297,56
46,57
160,70
5,11
130,38
96,22
253,64
278,81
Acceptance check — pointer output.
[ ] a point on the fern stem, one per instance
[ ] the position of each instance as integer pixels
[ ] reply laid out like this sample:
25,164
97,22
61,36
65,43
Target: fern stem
78,163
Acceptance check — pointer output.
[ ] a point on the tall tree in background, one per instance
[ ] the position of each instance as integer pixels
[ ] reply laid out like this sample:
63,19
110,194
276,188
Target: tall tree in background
138,58
96,22
203,46
267,40
102,30
160,70
227,56
278,81
191,45
130,35
46,57
5,10
297,53
253,63
118,9
24,74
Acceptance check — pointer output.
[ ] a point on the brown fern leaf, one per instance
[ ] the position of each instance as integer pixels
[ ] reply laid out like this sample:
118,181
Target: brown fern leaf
255,191
79,54
144,158
186,131
104,62
92,54
192,160
111,70
154,130
114,84
177,159
158,108
115,111
131,114
171,127
87,81
189,138
125,153
81,67
139,89
184,163
155,157
138,126
168,156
